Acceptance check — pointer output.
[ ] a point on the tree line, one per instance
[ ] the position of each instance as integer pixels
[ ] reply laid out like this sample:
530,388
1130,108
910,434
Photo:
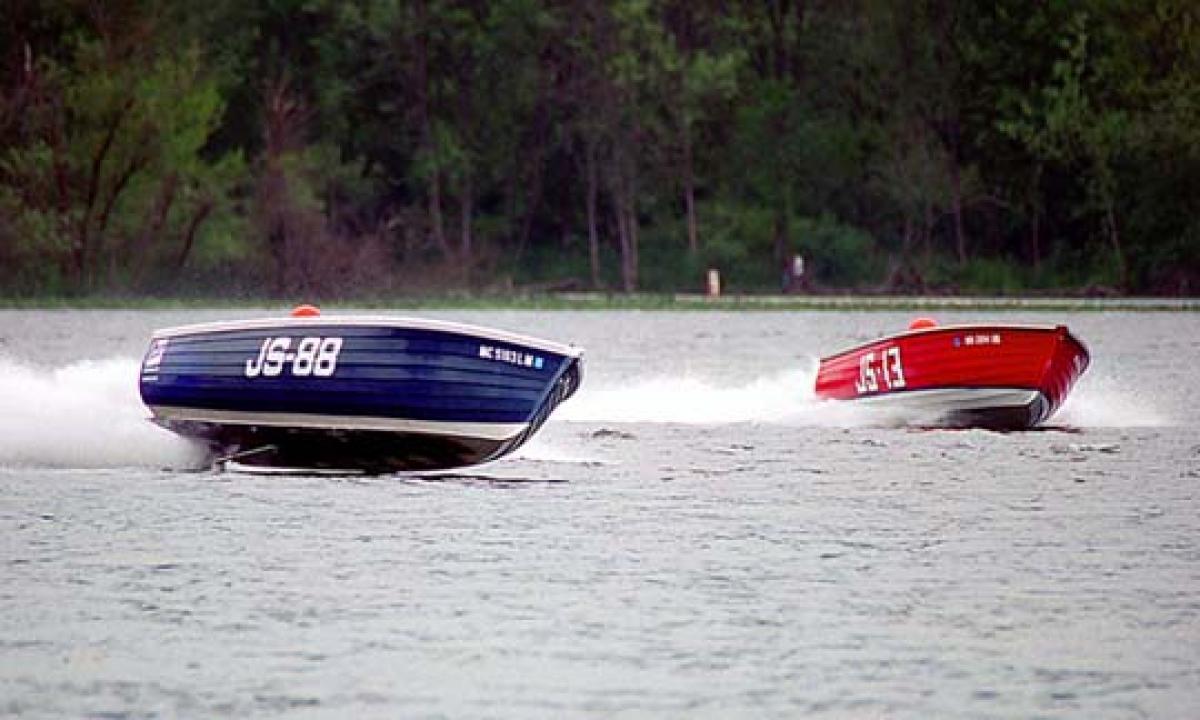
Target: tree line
348,148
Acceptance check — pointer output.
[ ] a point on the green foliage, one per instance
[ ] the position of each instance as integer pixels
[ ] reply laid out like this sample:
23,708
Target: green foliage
838,255
990,276
106,184
666,269
358,147
737,243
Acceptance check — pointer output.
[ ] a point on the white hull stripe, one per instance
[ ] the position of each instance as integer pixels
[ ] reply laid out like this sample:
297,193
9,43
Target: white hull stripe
481,431
954,329
955,398
285,324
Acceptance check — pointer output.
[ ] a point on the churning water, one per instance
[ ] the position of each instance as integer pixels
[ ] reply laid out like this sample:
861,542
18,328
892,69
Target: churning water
692,535
85,415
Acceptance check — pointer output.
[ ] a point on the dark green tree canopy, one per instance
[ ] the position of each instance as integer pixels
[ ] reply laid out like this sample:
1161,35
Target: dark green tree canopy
374,147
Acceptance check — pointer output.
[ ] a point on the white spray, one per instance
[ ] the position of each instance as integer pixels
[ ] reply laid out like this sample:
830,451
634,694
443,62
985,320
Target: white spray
782,398
89,415
1099,401
86,415
787,398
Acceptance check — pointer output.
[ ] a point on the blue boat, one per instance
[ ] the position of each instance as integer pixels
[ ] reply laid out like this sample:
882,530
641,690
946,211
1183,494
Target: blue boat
376,394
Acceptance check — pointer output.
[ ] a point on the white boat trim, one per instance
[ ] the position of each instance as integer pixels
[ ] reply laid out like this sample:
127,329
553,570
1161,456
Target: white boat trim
234,466
406,323
959,327
498,432
966,327
954,399
237,467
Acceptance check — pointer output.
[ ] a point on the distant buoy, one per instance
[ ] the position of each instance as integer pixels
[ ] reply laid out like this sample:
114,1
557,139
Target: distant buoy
922,323
306,311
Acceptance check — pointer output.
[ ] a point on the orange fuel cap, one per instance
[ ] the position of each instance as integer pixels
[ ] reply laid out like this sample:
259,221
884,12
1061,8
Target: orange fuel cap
306,311
922,323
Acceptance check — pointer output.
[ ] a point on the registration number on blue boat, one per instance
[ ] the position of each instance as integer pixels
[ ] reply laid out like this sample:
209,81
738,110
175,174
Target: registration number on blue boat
313,356
512,357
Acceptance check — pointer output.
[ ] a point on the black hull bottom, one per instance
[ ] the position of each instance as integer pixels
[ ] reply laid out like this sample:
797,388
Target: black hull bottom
367,451
1022,417
985,408
335,447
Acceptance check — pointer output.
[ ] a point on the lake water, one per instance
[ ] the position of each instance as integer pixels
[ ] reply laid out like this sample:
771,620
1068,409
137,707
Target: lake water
691,536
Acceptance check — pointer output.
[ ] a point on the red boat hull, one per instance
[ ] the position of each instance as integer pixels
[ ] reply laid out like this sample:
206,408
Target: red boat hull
994,376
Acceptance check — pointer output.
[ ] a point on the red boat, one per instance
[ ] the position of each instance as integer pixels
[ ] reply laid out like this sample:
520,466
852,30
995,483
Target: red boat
1003,377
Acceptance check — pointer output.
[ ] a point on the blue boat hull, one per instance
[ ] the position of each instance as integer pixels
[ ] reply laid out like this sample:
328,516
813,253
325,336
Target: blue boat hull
374,394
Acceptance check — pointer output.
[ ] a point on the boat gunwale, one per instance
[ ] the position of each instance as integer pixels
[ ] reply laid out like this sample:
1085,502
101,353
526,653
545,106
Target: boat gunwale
961,328
400,323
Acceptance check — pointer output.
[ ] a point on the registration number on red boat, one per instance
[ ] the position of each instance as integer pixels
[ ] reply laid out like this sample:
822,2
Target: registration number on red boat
883,370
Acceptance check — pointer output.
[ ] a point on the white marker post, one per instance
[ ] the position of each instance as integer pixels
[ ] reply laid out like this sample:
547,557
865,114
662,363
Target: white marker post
714,283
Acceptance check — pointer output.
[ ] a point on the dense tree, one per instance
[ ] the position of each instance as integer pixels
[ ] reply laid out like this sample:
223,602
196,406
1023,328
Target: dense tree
373,146
103,180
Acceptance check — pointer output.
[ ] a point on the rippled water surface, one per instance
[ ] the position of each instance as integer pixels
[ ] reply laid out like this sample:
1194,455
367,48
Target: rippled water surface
692,535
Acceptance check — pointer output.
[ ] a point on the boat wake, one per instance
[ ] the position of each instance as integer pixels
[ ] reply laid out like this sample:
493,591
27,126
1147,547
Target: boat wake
89,416
83,416
1100,402
788,398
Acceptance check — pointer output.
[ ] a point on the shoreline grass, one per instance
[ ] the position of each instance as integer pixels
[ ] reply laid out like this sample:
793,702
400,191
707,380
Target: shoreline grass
637,301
